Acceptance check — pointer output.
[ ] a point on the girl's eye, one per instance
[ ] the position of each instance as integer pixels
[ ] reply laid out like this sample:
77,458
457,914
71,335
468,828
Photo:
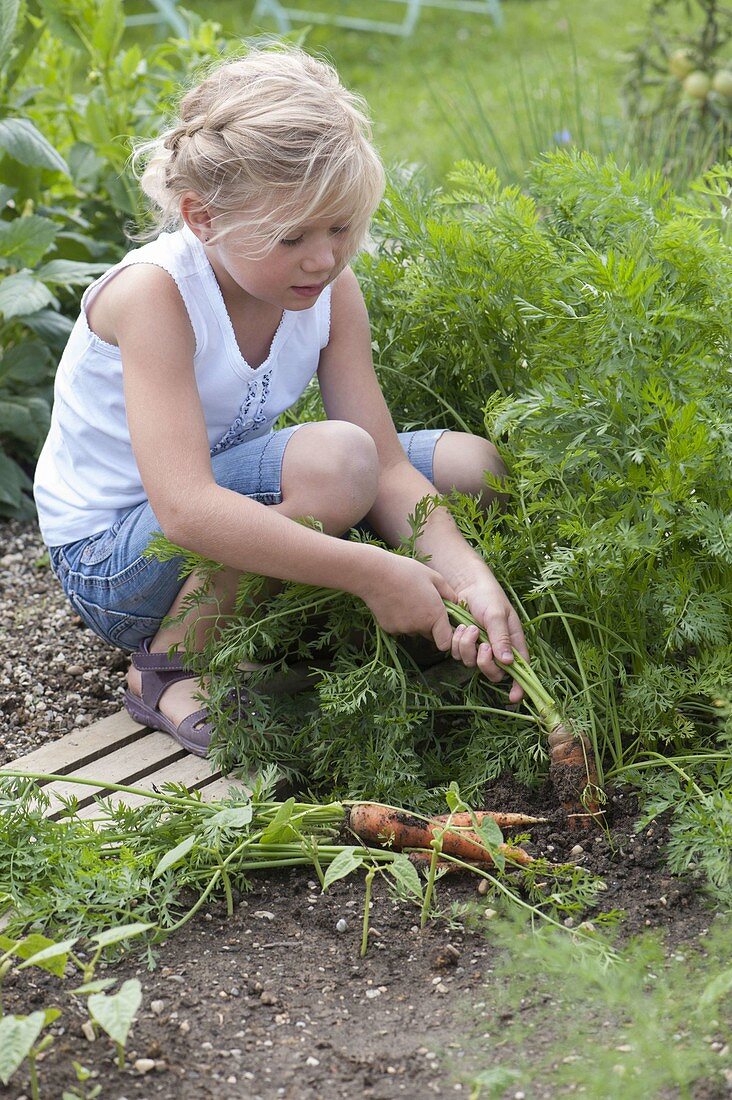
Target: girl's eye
290,241
337,229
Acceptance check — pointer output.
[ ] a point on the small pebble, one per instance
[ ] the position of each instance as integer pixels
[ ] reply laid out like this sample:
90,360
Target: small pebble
577,850
144,1065
87,1030
310,1061
483,887
341,925
156,1007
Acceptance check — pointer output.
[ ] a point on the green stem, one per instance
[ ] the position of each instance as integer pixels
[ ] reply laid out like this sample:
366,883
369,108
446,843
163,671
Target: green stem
366,909
227,889
316,861
35,1094
51,777
436,846
457,707
519,669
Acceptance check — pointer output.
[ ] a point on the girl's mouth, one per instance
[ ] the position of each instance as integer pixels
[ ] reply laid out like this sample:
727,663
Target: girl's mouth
308,291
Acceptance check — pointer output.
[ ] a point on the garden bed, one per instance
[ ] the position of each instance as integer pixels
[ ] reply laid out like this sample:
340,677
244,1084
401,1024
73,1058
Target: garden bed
275,1000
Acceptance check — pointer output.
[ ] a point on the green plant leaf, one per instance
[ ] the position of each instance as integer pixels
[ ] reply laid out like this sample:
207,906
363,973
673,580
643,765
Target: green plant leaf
24,241
407,875
22,294
17,1037
231,817
279,830
454,799
114,1012
26,419
8,21
175,855
55,951
22,141
97,986
28,363
50,325
123,932
108,28
489,832
33,945
347,861
69,272
13,482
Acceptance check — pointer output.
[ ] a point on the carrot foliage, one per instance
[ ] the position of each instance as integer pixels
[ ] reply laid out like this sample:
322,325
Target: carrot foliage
583,322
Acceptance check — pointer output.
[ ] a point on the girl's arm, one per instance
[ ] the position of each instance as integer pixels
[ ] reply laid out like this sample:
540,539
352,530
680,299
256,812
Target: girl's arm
351,392
145,316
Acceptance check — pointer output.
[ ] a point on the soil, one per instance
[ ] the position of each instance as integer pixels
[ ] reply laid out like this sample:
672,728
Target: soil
276,1001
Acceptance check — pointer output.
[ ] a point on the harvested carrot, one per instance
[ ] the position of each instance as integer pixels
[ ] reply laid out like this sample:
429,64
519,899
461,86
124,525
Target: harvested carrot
502,820
572,765
374,823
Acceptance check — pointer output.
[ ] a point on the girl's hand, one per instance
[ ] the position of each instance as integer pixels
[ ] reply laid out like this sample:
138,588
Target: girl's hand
490,607
406,598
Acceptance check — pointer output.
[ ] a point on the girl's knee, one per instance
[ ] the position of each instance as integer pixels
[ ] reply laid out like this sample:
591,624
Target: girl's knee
337,461
461,461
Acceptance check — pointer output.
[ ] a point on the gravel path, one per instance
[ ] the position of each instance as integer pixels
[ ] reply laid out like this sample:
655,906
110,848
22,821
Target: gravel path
55,674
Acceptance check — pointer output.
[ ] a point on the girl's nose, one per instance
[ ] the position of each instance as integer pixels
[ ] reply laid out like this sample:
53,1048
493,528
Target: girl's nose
320,258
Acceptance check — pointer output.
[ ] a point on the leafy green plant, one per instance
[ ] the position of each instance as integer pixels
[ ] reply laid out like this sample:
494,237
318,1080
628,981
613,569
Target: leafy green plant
20,1035
178,853
653,1020
33,272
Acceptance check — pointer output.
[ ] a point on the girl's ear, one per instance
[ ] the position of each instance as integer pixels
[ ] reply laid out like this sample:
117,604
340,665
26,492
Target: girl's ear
195,215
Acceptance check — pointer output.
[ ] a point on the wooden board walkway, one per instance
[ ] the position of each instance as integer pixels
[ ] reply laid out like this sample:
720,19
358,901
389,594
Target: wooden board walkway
119,750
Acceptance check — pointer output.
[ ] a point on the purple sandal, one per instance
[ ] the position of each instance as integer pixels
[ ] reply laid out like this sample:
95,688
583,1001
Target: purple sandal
158,672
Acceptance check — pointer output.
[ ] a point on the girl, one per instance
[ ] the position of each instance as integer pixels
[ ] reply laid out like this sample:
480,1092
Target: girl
186,353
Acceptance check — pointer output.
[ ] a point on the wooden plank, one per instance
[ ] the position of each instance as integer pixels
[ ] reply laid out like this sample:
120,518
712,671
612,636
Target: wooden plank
130,764
83,746
211,786
219,788
192,771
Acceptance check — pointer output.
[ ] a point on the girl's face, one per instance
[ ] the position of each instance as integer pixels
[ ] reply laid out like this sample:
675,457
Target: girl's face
292,275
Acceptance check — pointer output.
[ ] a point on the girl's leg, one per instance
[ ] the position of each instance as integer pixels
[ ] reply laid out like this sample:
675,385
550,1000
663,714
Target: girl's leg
329,471
460,461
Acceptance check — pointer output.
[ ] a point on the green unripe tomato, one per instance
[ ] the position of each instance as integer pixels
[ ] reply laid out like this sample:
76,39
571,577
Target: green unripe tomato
680,64
722,83
697,85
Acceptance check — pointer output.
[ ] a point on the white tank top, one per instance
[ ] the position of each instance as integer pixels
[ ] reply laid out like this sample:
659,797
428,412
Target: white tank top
86,476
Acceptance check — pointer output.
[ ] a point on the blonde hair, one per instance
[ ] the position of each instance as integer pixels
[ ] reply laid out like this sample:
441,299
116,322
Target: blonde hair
268,142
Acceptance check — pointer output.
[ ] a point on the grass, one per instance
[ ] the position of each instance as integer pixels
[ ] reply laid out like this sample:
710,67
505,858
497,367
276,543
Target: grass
440,94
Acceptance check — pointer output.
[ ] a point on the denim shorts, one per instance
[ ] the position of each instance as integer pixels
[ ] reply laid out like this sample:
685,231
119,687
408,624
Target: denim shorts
124,595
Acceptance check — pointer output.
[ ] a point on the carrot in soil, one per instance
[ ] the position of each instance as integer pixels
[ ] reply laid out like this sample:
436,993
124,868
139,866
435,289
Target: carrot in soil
377,824
572,765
